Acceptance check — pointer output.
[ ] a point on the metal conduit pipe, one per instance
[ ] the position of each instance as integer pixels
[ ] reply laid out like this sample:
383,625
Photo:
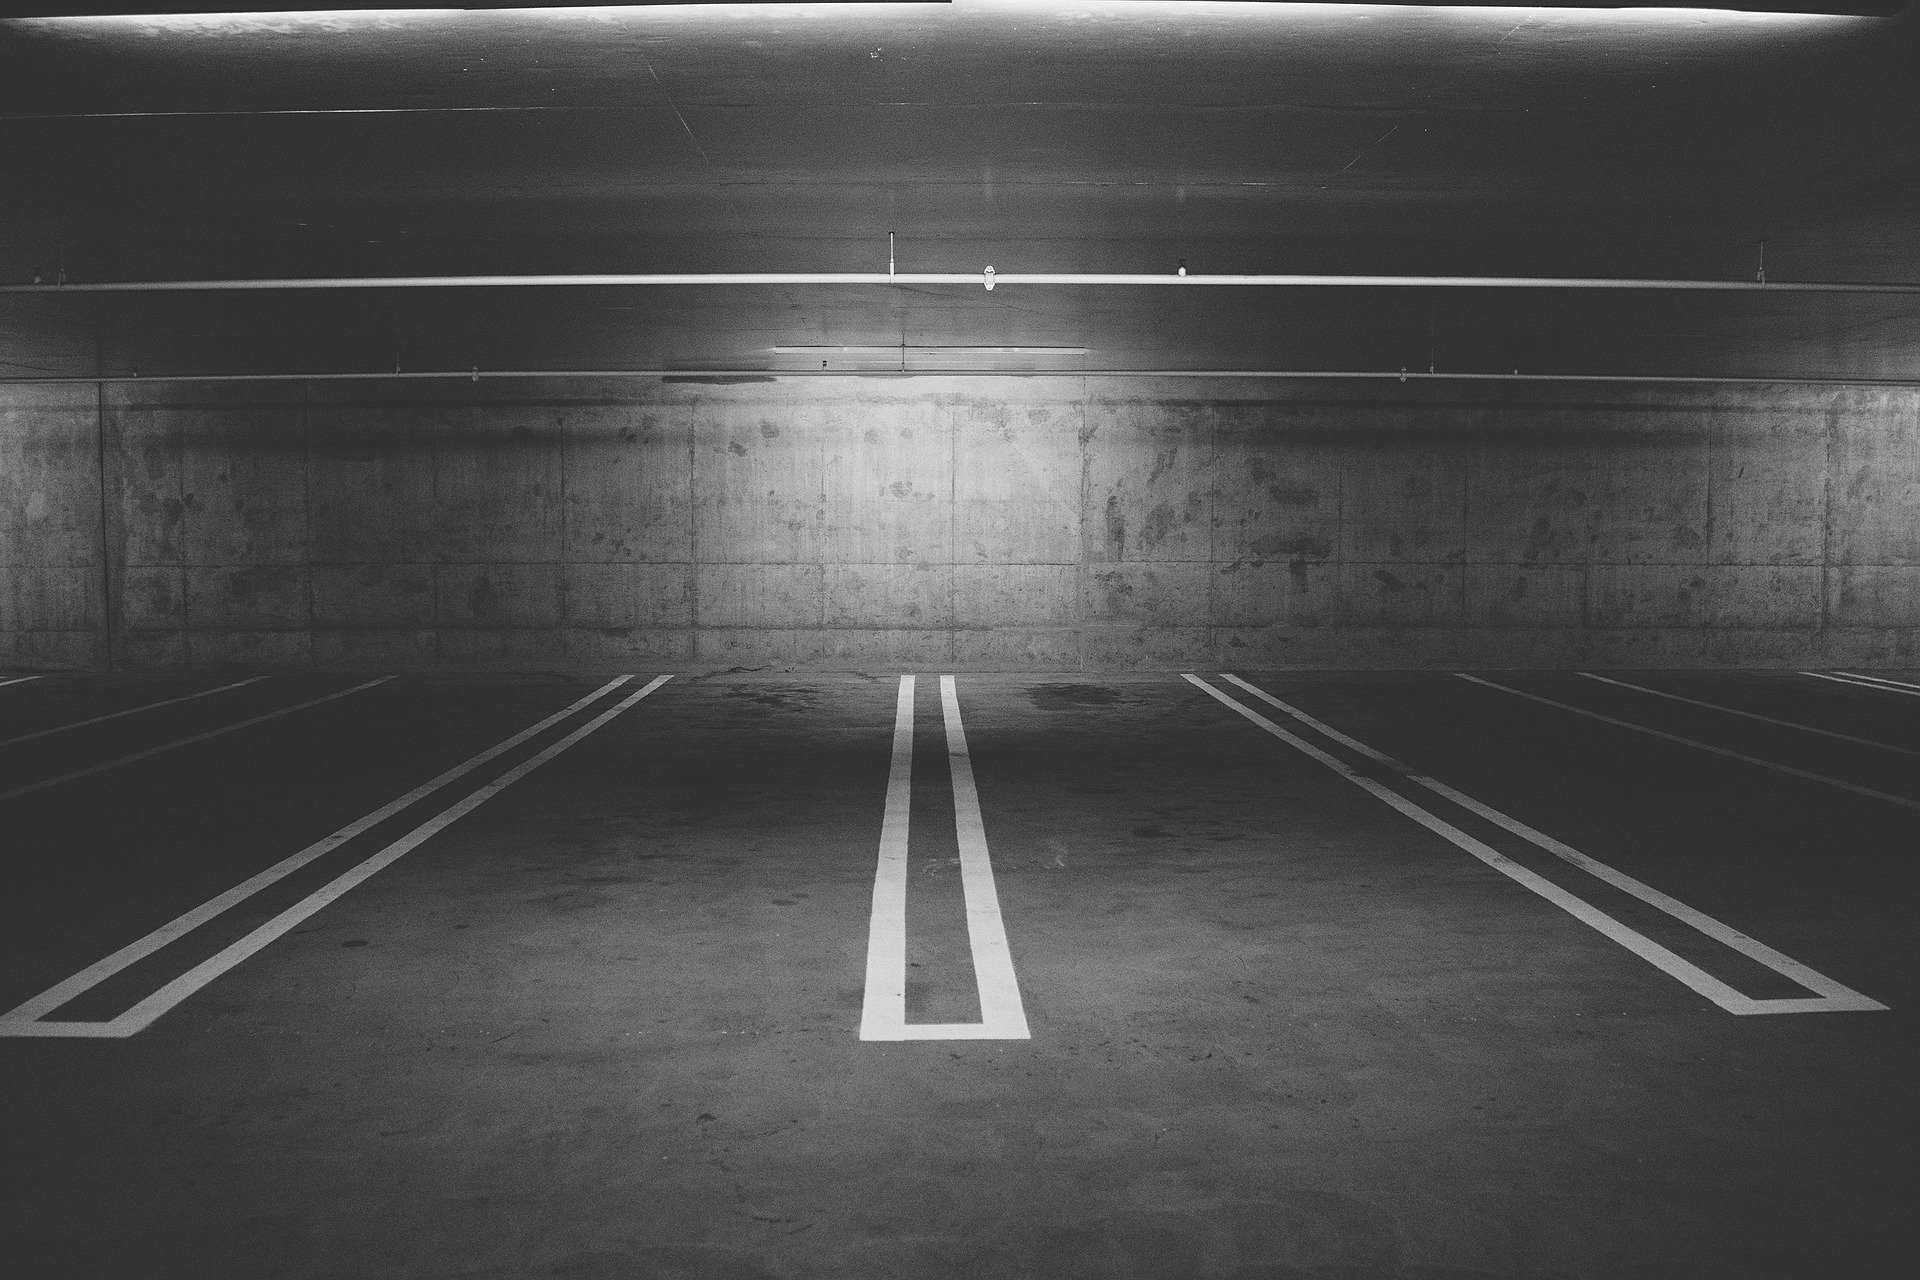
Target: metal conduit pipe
702,375
989,278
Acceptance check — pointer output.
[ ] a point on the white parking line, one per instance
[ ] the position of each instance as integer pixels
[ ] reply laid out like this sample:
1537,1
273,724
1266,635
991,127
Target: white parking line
1000,1005
115,715
1833,996
25,1019
1753,715
1777,767
16,680
1885,682
1859,683
183,742
883,1014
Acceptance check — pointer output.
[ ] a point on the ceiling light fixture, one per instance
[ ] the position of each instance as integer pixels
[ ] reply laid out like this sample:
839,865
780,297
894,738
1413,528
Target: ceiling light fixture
931,350
349,18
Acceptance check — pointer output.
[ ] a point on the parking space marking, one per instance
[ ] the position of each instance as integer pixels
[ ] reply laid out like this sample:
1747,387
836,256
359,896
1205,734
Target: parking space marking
16,680
1860,683
1752,715
1000,1005
25,1020
1836,996
1775,765
1833,997
883,1014
883,1011
115,715
184,742
1873,682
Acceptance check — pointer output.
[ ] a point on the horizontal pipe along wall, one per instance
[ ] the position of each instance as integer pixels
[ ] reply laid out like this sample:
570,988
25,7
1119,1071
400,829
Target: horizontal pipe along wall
1017,524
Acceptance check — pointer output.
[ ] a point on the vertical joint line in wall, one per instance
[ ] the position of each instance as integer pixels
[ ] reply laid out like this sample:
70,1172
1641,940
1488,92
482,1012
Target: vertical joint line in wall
100,476
1466,518
1826,512
306,508
693,533
431,453
1082,441
1338,560
1706,470
953,523
1213,506
564,584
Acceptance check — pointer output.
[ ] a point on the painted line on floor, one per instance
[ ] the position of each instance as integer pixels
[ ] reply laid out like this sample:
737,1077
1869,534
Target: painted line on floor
88,772
1860,683
1856,683
1832,998
1775,765
883,1010
883,1014
1887,682
1000,1005
16,680
1752,715
24,1020
115,715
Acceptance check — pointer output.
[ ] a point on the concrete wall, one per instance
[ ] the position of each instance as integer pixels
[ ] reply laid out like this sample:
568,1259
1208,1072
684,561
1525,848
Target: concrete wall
52,592
1014,524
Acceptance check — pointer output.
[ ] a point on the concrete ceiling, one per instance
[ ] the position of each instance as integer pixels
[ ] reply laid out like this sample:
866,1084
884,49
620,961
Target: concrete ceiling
1120,135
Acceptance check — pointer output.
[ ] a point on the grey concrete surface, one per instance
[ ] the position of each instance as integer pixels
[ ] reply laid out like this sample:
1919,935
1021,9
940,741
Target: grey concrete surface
605,1025
1037,136
979,524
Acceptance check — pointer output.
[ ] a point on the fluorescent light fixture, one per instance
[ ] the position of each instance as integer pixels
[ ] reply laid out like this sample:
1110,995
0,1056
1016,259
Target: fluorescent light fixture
1263,10
212,20
931,351
218,22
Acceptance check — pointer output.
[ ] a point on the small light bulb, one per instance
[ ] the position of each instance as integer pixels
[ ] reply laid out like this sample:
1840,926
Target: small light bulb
989,275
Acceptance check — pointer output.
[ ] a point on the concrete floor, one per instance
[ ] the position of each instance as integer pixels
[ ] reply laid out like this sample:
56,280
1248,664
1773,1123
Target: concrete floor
606,1025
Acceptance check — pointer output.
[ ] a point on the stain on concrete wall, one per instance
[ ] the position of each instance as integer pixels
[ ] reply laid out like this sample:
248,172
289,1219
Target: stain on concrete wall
1017,524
